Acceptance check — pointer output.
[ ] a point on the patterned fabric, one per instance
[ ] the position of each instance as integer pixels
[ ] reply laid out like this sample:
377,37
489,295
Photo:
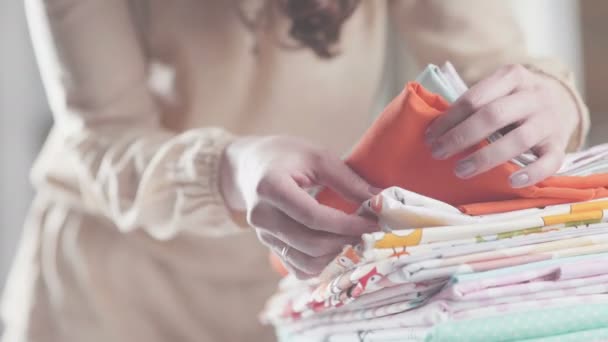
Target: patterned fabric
435,273
423,278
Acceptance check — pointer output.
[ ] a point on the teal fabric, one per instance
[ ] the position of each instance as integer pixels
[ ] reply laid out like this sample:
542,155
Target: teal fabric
522,326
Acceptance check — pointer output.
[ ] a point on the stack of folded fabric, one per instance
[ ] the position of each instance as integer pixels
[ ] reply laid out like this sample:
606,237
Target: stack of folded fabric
458,260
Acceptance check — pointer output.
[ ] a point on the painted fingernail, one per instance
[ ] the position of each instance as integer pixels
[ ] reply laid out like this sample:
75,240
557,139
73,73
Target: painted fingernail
438,151
519,179
465,168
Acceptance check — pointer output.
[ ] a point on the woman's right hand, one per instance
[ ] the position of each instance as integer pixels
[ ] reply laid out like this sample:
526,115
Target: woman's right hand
268,176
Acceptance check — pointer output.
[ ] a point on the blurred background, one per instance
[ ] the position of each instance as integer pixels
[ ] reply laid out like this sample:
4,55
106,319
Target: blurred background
570,29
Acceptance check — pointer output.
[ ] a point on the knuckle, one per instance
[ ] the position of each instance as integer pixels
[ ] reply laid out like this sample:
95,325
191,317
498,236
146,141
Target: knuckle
526,137
255,216
319,158
266,186
309,218
518,72
471,101
455,138
493,115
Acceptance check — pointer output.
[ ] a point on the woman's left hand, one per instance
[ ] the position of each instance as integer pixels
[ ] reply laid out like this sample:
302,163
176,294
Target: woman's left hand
542,109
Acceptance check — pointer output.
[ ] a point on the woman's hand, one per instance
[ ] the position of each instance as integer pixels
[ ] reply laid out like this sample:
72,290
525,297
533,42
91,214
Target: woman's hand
267,177
544,113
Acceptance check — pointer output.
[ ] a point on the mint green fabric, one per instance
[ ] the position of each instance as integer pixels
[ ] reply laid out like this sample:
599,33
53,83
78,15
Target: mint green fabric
522,326
433,80
579,336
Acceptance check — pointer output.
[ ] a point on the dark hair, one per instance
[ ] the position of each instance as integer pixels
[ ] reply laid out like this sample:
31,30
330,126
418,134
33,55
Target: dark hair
316,24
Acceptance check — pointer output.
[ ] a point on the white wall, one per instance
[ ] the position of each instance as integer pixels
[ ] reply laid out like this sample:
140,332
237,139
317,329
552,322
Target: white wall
23,115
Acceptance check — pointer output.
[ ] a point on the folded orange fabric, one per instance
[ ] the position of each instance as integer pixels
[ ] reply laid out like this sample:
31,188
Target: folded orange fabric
392,153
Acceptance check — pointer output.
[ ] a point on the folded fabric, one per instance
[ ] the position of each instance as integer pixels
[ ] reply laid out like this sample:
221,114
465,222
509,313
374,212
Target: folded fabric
569,274
365,280
592,335
394,215
427,291
420,333
412,256
435,313
591,161
393,153
576,280
395,335
526,325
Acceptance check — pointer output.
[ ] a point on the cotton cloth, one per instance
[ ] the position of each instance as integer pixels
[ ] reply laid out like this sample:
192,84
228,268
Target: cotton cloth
392,152
436,274
416,255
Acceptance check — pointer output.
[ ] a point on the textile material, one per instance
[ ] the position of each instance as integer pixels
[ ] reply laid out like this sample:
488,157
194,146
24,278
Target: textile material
532,324
401,255
392,153
436,274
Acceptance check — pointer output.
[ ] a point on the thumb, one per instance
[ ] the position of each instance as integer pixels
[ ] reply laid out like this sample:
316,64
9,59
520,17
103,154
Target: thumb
335,174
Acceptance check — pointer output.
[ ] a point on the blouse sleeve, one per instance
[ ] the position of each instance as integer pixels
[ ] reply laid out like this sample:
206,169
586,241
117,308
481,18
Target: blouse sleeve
129,167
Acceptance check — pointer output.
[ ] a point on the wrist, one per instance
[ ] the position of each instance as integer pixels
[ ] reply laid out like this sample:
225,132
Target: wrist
564,78
228,178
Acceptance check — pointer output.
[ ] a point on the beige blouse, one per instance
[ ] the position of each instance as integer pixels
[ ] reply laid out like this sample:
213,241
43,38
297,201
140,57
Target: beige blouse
129,238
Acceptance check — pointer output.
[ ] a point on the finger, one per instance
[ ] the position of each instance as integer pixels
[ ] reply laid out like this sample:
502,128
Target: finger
311,242
301,275
285,194
502,83
335,174
488,119
549,162
516,142
303,262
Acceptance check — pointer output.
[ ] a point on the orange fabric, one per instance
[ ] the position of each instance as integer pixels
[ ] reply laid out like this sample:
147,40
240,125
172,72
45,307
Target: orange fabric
509,205
392,153
277,264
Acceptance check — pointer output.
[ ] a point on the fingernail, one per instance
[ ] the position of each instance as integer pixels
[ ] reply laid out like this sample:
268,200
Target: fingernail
519,179
438,151
465,168
374,191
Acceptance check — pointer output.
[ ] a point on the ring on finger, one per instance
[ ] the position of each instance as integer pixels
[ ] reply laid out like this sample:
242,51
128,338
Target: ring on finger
284,252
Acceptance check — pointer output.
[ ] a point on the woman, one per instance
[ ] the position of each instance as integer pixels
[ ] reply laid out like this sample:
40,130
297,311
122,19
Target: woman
176,122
